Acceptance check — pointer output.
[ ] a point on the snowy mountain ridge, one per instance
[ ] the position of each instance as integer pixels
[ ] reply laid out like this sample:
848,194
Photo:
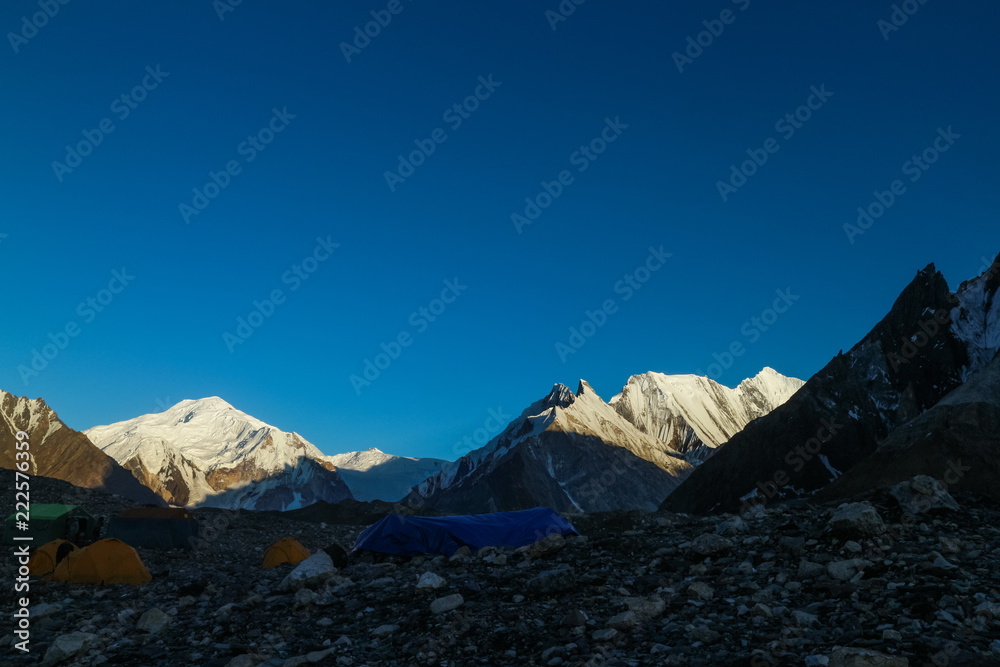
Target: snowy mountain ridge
206,452
695,415
561,447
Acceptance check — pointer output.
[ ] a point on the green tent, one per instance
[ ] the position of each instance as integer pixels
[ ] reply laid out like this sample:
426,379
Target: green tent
52,522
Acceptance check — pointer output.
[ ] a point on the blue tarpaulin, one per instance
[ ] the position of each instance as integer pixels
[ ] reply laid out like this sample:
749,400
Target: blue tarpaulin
416,535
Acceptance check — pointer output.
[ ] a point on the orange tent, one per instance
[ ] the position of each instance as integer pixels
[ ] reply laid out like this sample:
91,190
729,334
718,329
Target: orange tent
285,550
107,561
43,560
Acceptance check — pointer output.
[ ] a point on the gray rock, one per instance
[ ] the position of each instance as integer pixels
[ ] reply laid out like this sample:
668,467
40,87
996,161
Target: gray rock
734,525
810,570
704,634
623,621
245,660
429,580
312,658
805,619
605,635
385,630
304,597
312,571
923,495
69,646
793,545
701,591
447,603
861,657
845,570
856,520
153,621
551,581
646,608
711,544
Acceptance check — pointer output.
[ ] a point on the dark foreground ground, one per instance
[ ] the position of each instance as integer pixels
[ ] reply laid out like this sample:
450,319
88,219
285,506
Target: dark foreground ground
775,588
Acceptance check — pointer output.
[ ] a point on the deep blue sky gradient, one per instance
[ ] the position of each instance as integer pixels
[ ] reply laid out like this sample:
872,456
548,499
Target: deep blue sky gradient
161,339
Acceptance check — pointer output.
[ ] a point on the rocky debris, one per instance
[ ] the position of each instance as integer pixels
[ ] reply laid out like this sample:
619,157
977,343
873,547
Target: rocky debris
710,544
429,580
856,520
69,646
153,621
857,657
310,572
551,581
447,603
788,591
922,495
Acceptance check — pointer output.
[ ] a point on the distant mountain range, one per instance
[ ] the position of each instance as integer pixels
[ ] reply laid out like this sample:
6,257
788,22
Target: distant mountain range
575,452
374,475
920,393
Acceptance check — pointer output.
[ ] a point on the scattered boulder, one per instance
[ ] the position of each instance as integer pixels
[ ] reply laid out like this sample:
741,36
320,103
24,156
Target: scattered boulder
853,520
710,544
551,581
447,603
153,621
312,571
430,580
862,657
923,495
69,646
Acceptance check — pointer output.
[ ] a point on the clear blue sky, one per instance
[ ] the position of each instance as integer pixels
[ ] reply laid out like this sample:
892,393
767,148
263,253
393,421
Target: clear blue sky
161,338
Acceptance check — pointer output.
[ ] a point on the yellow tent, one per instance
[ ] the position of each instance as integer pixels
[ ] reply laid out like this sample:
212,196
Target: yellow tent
285,550
107,561
43,560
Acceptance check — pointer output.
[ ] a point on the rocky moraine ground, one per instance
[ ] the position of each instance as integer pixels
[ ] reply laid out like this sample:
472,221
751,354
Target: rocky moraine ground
857,585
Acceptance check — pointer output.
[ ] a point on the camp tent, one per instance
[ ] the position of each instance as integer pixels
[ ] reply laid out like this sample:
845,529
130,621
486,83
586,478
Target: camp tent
285,550
415,535
155,527
107,561
45,558
52,522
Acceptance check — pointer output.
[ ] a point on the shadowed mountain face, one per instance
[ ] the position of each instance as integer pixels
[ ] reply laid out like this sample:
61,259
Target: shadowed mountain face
60,452
914,357
957,442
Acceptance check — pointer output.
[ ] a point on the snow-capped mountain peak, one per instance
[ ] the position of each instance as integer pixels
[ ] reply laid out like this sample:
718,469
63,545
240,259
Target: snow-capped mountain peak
199,448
